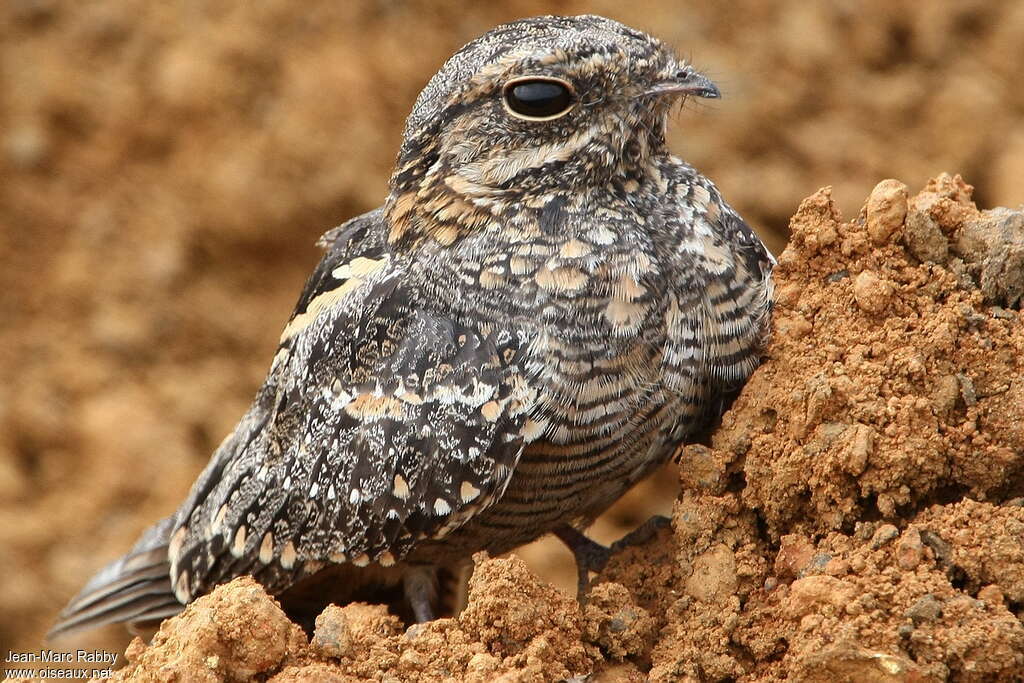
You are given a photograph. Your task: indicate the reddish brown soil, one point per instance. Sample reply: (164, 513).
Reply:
(166, 169)
(857, 516)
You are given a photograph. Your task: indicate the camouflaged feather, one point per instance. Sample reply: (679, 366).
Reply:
(539, 315)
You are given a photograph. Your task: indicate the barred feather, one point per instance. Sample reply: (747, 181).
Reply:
(540, 314)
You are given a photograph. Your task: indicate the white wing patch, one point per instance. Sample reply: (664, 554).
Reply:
(351, 276)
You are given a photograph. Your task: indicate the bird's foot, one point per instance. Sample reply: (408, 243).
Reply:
(591, 556)
(420, 587)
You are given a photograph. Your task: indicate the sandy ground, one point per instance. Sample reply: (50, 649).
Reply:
(167, 167)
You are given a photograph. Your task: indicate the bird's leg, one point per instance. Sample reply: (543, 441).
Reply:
(420, 587)
(591, 556)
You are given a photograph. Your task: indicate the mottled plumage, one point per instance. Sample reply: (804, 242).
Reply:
(544, 309)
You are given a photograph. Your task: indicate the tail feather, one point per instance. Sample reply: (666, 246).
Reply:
(134, 588)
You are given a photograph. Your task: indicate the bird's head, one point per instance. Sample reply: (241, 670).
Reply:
(539, 104)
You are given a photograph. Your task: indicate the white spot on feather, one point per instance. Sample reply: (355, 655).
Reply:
(288, 555)
(238, 547)
(533, 429)
(267, 548)
(181, 590)
(624, 315)
(490, 410)
(174, 547)
(218, 520)
(602, 235)
(401, 487)
(575, 249)
(468, 492)
(360, 266)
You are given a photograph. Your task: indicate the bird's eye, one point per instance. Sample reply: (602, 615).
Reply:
(538, 99)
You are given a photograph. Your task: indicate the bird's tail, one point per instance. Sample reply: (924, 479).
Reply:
(135, 588)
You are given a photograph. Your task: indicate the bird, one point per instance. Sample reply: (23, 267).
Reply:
(545, 308)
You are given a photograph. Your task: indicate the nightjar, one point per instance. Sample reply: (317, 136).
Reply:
(547, 305)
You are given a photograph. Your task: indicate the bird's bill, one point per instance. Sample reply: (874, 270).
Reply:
(687, 82)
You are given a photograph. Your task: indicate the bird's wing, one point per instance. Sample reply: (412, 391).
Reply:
(379, 425)
(737, 301)
(717, 317)
(137, 587)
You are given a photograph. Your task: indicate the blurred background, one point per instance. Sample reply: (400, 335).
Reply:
(165, 169)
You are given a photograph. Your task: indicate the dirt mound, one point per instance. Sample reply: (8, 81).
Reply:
(167, 169)
(893, 382)
(857, 516)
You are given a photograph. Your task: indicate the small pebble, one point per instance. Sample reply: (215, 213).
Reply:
(331, 637)
(885, 533)
(871, 292)
(886, 210)
(910, 550)
(927, 608)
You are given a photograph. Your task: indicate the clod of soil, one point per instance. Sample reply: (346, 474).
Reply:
(894, 380)
(856, 517)
(514, 624)
(233, 634)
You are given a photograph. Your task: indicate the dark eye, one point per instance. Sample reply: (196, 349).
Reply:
(538, 99)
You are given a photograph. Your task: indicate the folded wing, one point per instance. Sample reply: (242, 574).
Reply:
(380, 424)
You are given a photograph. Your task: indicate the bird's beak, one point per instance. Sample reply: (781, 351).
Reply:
(686, 81)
